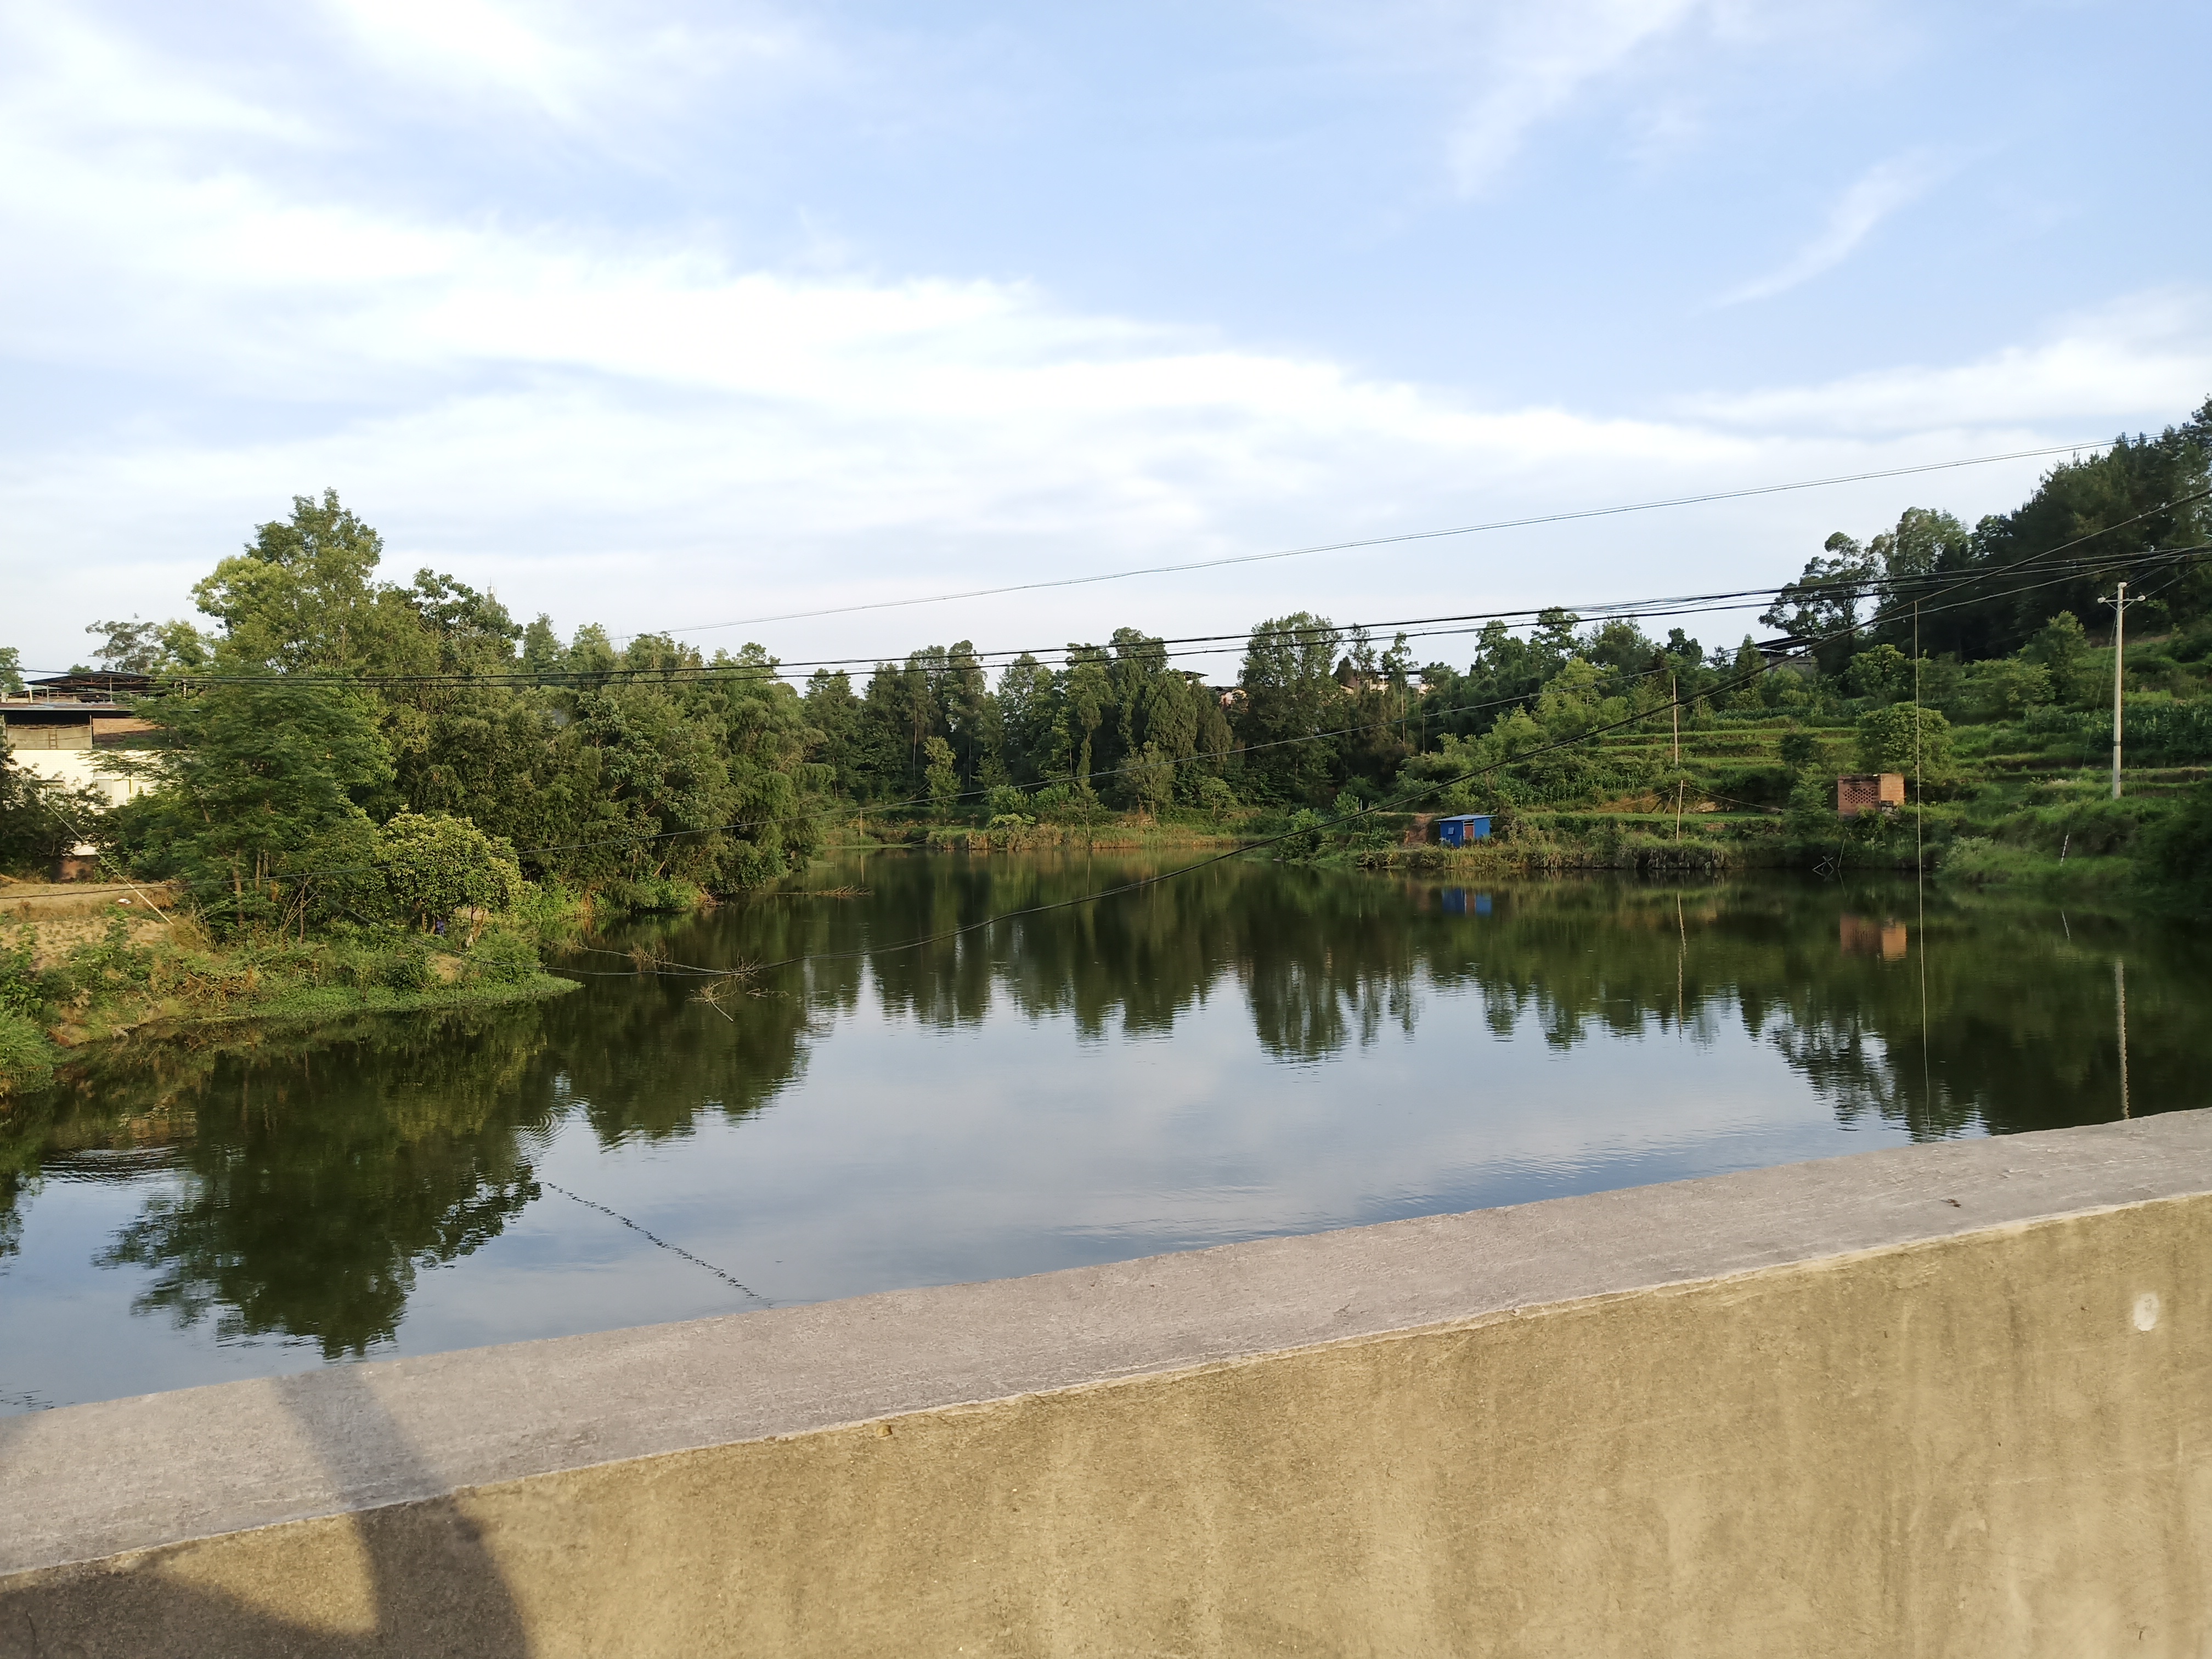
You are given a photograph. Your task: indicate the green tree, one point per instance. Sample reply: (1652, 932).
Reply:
(33, 809)
(1291, 695)
(1902, 736)
(1883, 672)
(2060, 649)
(303, 595)
(2004, 687)
(257, 800)
(1028, 698)
(1748, 676)
(833, 712)
(1087, 694)
(1821, 608)
(433, 866)
(940, 773)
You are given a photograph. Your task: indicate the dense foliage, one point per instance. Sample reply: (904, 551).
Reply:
(325, 702)
(321, 702)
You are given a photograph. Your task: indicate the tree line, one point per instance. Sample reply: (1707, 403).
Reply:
(317, 702)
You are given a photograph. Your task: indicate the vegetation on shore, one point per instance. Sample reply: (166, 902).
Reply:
(346, 770)
(151, 981)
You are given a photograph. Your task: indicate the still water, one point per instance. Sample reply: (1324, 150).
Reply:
(1249, 1050)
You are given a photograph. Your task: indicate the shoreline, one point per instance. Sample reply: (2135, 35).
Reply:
(36, 1057)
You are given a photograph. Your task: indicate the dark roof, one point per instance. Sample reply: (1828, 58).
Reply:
(48, 711)
(89, 681)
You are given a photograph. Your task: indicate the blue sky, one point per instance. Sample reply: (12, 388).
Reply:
(667, 315)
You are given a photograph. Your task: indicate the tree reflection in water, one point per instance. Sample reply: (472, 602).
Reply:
(299, 1182)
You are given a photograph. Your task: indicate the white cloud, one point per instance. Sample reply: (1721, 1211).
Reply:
(648, 430)
(2147, 353)
(92, 90)
(576, 65)
(1541, 60)
(1873, 197)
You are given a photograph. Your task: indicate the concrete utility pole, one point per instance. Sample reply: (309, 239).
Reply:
(1674, 708)
(2119, 604)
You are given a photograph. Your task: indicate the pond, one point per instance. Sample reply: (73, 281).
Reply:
(1250, 1049)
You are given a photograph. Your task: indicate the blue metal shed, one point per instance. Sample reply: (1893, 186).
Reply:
(1466, 827)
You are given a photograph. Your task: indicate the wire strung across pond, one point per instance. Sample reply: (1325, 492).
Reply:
(700, 1261)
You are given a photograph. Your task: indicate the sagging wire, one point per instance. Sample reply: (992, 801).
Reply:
(1437, 786)
(652, 1237)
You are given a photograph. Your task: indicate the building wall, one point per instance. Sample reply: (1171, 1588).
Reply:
(83, 768)
(1982, 1436)
(39, 736)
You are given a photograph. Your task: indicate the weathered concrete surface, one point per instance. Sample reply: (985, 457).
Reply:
(1947, 1399)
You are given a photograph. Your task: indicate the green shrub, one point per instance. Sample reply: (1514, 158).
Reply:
(24, 991)
(1302, 836)
(433, 866)
(407, 967)
(501, 956)
(109, 964)
(2004, 687)
(1886, 741)
(26, 1059)
(2177, 851)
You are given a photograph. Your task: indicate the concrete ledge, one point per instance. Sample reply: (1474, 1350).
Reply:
(1949, 1399)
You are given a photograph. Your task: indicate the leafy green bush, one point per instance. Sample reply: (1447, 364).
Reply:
(2178, 850)
(2004, 687)
(24, 991)
(110, 963)
(433, 866)
(1881, 671)
(501, 956)
(1886, 741)
(25, 1057)
(407, 967)
(1303, 836)
(2079, 828)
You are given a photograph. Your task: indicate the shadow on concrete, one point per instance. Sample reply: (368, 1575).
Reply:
(434, 1589)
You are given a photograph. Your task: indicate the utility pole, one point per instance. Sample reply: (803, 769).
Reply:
(1674, 709)
(2120, 1005)
(2119, 604)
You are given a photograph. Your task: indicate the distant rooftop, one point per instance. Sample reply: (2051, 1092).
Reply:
(89, 681)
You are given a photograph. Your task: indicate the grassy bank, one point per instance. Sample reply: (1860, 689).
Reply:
(153, 979)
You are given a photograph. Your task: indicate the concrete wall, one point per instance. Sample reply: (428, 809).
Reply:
(81, 768)
(1945, 1401)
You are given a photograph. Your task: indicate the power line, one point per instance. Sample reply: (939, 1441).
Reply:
(1444, 626)
(1397, 539)
(1248, 749)
(1298, 552)
(1435, 787)
(1954, 583)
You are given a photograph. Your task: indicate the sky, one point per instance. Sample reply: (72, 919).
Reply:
(673, 316)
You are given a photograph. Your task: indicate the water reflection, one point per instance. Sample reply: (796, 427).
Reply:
(295, 1188)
